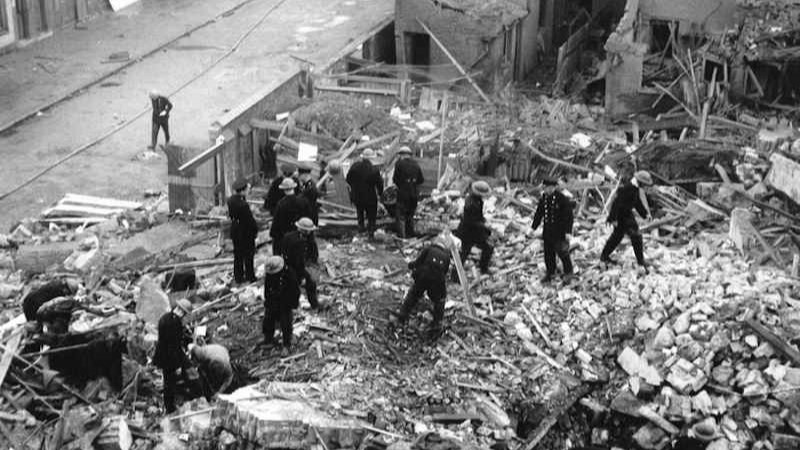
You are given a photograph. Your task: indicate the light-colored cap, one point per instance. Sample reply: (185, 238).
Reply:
(273, 264)
(287, 184)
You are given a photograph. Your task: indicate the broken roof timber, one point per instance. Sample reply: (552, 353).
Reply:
(506, 11)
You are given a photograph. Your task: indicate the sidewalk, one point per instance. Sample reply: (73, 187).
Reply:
(35, 78)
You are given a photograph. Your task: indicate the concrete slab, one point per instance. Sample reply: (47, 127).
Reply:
(785, 176)
(286, 415)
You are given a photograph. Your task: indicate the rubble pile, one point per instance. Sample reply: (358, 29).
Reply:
(342, 115)
(701, 347)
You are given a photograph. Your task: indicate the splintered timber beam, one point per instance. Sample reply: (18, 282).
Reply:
(455, 61)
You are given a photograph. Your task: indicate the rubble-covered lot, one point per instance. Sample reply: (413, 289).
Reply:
(699, 352)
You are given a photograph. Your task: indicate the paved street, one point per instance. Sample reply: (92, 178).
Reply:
(199, 72)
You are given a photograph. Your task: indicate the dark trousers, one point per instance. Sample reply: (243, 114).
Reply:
(436, 287)
(371, 212)
(625, 226)
(404, 218)
(276, 246)
(170, 385)
(311, 285)
(163, 124)
(243, 253)
(486, 252)
(282, 316)
(557, 246)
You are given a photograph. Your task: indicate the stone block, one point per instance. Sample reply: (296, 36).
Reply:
(39, 258)
(785, 176)
(270, 421)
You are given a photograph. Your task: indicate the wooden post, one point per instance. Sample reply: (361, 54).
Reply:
(441, 138)
(455, 62)
(462, 274)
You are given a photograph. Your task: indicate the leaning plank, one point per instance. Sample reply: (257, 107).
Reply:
(462, 275)
(100, 201)
(455, 61)
(8, 354)
(776, 341)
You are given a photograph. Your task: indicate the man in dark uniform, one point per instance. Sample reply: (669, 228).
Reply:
(407, 177)
(288, 211)
(472, 230)
(555, 211)
(243, 233)
(299, 248)
(38, 297)
(629, 196)
(309, 191)
(275, 194)
(170, 352)
(429, 274)
(305, 82)
(161, 108)
(366, 186)
(281, 296)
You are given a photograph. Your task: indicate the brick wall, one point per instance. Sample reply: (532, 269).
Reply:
(461, 34)
(715, 16)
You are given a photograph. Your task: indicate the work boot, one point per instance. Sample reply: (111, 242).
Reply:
(547, 278)
(607, 260)
(434, 331)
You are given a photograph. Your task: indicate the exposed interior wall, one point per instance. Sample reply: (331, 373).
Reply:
(529, 46)
(464, 36)
(8, 27)
(37, 18)
(626, 57)
(706, 16)
(627, 46)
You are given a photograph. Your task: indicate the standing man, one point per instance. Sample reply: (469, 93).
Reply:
(629, 196)
(170, 352)
(429, 274)
(309, 191)
(281, 296)
(305, 83)
(243, 233)
(407, 177)
(472, 230)
(161, 108)
(555, 211)
(288, 211)
(275, 194)
(366, 187)
(299, 248)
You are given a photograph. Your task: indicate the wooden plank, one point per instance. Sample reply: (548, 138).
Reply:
(455, 61)
(776, 341)
(202, 157)
(100, 201)
(357, 90)
(190, 264)
(73, 210)
(74, 220)
(9, 352)
(545, 425)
